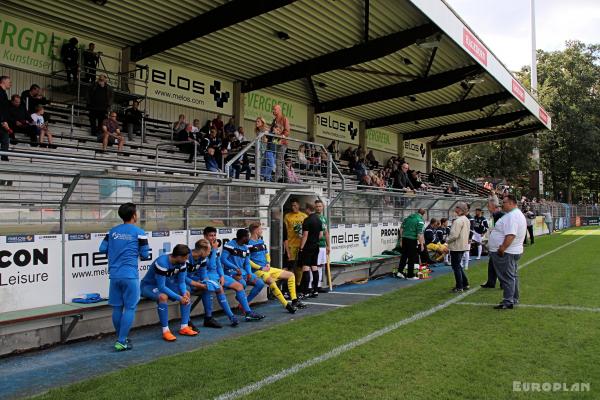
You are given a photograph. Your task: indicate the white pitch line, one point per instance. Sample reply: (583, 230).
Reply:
(325, 304)
(358, 294)
(547, 306)
(253, 387)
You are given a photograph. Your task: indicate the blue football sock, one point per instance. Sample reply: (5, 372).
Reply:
(256, 290)
(185, 309)
(163, 314)
(241, 298)
(126, 322)
(207, 302)
(224, 304)
(117, 314)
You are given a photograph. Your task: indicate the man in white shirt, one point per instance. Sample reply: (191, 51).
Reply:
(506, 247)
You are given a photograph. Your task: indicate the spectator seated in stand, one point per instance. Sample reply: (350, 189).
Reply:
(362, 173)
(186, 135)
(415, 179)
(348, 154)
(210, 161)
(133, 120)
(455, 187)
(212, 140)
(218, 125)
(290, 174)
(372, 161)
(229, 128)
(448, 190)
(435, 179)
(302, 158)
(32, 98)
(37, 121)
(240, 135)
(19, 120)
(111, 133)
(240, 165)
(179, 125)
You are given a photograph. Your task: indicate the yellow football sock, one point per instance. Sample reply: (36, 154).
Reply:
(277, 293)
(292, 287)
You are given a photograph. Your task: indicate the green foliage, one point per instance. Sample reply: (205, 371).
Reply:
(568, 83)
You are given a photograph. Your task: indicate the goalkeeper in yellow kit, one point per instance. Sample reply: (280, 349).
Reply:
(260, 261)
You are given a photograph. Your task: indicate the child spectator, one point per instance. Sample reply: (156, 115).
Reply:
(37, 120)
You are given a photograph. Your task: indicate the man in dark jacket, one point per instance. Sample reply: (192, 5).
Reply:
(5, 130)
(99, 101)
(133, 119)
(32, 98)
(69, 54)
(90, 63)
(19, 119)
(401, 179)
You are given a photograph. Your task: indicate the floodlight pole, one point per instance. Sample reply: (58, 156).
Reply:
(533, 53)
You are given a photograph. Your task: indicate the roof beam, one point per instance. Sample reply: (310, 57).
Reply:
(218, 18)
(457, 107)
(480, 123)
(488, 137)
(363, 52)
(419, 85)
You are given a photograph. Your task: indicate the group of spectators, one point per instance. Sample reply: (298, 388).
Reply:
(22, 114)
(72, 57)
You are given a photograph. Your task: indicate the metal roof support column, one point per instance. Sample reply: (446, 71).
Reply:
(362, 135)
(238, 104)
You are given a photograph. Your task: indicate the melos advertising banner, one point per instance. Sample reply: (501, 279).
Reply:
(415, 149)
(351, 238)
(86, 270)
(30, 271)
(384, 237)
(337, 127)
(260, 104)
(383, 140)
(184, 86)
(31, 46)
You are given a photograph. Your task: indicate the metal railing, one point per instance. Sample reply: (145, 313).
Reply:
(286, 165)
(174, 143)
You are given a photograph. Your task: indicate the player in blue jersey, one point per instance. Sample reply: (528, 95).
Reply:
(260, 261)
(124, 244)
(201, 259)
(236, 263)
(166, 280)
(215, 272)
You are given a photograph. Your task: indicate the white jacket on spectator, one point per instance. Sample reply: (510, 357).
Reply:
(458, 240)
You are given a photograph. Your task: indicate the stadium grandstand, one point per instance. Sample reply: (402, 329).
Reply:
(222, 114)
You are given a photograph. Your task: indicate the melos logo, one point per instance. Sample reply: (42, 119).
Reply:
(364, 238)
(329, 121)
(353, 131)
(220, 97)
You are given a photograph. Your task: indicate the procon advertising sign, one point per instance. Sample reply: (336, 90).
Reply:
(31, 46)
(260, 104)
(383, 140)
(385, 237)
(174, 84)
(30, 271)
(337, 127)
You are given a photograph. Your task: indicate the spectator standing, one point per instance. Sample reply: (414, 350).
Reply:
(458, 243)
(496, 212)
(111, 133)
(334, 150)
(133, 120)
(267, 165)
(32, 98)
(100, 98)
(412, 242)
(281, 128)
(480, 227)
(530, 216)
(69, 54)
(91, 59)
(506, 247)
(5, 131)
(548, 220)
(401, 180)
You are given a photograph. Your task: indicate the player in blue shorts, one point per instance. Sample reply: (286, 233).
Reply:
(236, 263)
(166, 280)
(201, 257)
(215, 272)
(124, 244)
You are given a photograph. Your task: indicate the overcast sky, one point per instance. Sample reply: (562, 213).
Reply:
(505, 26)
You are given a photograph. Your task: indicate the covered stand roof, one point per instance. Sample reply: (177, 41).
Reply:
(412, 67)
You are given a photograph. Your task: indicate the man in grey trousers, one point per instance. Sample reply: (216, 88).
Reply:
(506, 246)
